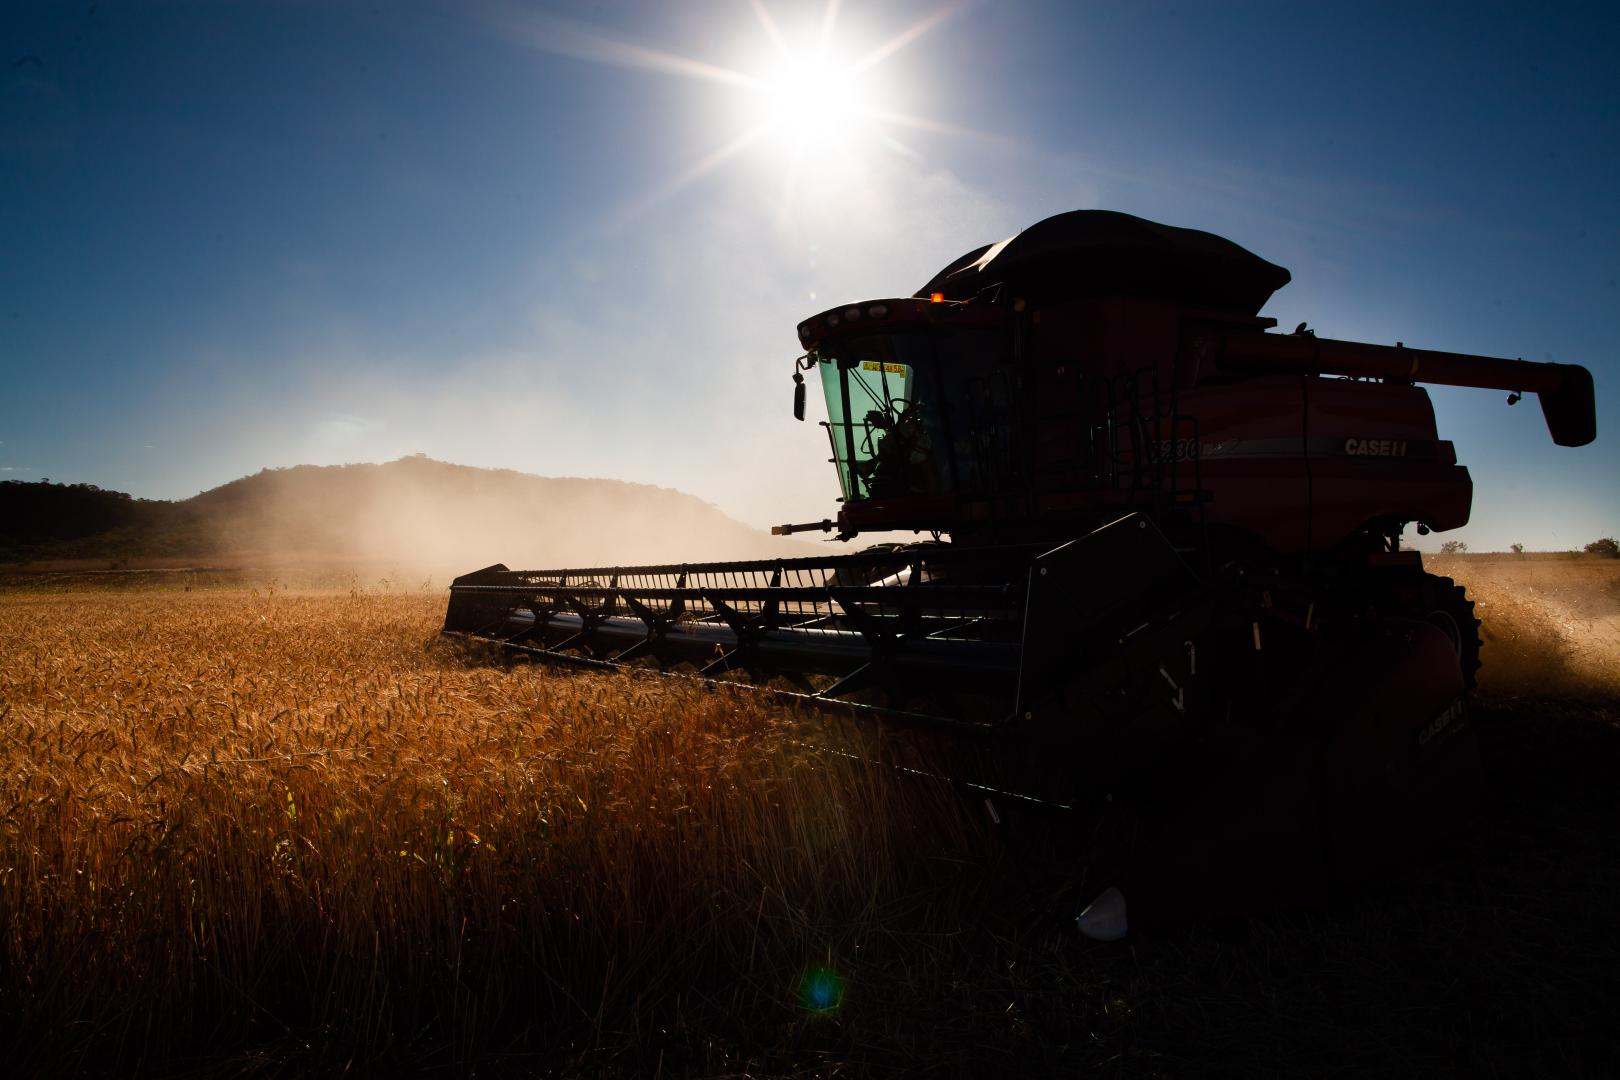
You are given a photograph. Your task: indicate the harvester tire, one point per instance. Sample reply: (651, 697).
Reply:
(1449, 608)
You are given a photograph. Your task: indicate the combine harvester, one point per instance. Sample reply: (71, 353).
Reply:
(1173, 579)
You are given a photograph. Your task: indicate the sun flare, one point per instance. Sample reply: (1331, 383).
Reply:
(813, 107)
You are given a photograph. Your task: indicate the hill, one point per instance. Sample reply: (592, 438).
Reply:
(414, 512)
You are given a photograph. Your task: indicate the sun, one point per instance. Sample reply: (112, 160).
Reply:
(813, 100)
(810, 105)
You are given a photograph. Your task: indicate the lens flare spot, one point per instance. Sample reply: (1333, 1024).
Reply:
(821, 990)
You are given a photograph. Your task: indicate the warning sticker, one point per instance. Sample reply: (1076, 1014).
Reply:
(892, 369)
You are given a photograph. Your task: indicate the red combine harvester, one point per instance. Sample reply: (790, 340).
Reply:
(1173, 580)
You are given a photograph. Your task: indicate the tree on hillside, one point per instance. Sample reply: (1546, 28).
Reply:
(1518, 549)
(40, 512)
(1608, 548)
(1453, 547)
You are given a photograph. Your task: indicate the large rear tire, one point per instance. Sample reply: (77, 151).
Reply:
(1447, 607)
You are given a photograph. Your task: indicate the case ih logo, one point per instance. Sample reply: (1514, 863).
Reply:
(1375, 447)
(1439, 725)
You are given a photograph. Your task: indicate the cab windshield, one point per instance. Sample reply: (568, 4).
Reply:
(917, 412)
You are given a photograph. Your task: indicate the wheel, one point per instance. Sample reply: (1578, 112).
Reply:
(1447, 606)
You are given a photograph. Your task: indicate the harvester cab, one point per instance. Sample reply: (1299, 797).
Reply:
(1098, 364)
(1173, 579)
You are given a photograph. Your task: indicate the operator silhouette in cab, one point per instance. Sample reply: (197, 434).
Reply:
(902, 461)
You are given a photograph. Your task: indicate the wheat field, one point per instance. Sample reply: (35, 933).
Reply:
(236, 815)
(254, 831)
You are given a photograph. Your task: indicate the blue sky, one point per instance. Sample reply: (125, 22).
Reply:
(239, 235)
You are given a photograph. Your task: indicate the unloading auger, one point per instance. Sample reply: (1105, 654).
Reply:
(1173, 578)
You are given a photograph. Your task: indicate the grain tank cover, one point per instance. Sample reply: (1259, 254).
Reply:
(1101, 252)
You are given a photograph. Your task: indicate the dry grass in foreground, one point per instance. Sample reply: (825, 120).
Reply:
(234, 817)
(245, 832)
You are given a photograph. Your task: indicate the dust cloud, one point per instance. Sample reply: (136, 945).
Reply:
(1550, 624)
(428, 519)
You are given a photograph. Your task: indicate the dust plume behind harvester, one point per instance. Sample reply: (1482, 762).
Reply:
(1165, 570)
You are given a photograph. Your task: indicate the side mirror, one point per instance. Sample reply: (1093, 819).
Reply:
(798, 396)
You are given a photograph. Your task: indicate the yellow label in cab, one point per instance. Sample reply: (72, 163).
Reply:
(892, 369)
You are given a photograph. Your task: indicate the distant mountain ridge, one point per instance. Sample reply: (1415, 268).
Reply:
(414, 511)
